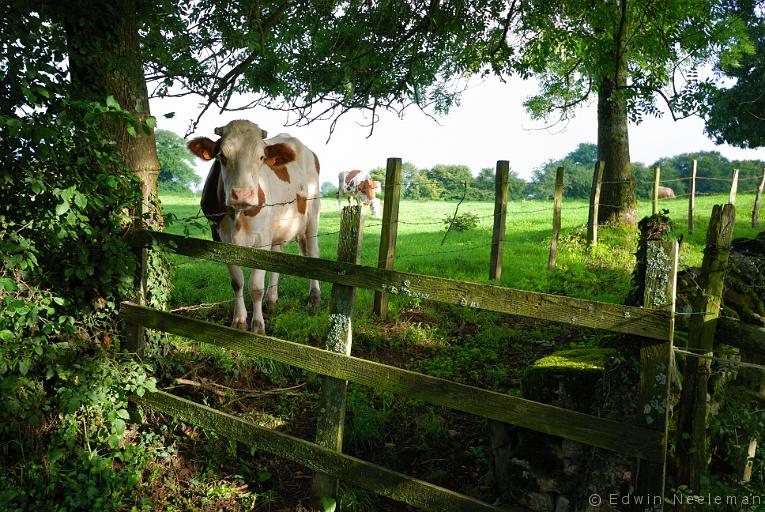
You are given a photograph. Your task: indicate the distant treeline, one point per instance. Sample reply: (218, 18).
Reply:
(448, 181)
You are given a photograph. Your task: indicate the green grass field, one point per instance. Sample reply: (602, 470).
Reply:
(600, 274)
(480, 348)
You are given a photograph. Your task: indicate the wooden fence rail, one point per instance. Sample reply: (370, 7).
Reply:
(364, 474)
(556, 308)
(612, 435)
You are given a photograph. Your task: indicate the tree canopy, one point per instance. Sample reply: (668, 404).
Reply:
(316, 59)
(737, 114)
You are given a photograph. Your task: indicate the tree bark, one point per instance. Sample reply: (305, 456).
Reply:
(105, 60)
(617, 197)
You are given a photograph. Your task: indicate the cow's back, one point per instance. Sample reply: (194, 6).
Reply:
(292, 190)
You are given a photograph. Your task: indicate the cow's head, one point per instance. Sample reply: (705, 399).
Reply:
(376, 206)
(242, 155)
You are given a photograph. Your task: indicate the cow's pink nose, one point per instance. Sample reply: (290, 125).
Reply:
(242, 197)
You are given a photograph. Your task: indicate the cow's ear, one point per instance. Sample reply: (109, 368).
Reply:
(279, 154)
(203, 147)
(263, 134)
(376, 185)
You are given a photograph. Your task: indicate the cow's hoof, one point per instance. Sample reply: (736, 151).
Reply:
(269, 304)
(258, 327)
(314, 299)
(239, 324)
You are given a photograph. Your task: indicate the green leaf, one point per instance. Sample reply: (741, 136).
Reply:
(131, 130)
(151, 121)
(123, 413)
(111, 102)
(170, 115)
(6, 335)
(80, 200)
(62, 208)
(118, 426)
(24, 365)
(328, 504)
(114, 441)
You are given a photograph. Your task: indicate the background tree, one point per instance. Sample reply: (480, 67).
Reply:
(452, 178)
(737, 114)
(177, 173)
(483, 185)
(328, 189)
(577, 176)
(630, 54)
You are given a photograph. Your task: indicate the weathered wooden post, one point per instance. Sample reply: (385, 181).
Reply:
(692, 198)
(389, 228)
(592, 221)
(692, 409)
(500, 212)
(134, 334)
(329, 428)
(656, 359)
(557, 203)
(656, 180)
(733, 187)
(757, 199)
(751, 451)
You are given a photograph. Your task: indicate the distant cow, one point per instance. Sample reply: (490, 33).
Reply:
(260, 193)
(666, 193)
(360, 186)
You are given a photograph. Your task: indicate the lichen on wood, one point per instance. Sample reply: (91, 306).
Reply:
(654, 227)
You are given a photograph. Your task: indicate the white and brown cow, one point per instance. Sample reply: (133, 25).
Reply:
(665, 193)
(260, 193)
(360, 186)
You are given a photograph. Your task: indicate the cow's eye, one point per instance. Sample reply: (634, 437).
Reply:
(222, 158)
(262, 157)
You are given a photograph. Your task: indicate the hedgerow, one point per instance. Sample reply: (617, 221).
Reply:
(65, 437)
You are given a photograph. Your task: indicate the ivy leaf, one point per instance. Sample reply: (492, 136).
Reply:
(111, 102)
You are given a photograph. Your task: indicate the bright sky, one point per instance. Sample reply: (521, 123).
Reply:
(490, 124)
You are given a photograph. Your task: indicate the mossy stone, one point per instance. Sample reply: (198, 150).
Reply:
(567, 378)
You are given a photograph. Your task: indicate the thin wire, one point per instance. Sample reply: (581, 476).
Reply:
(725, 362)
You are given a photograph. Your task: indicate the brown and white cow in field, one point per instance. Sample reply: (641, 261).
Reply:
(666, 193)
(260, 193)
(360, 186)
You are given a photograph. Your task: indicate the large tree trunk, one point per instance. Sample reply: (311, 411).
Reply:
(105, 60)
(617, 197)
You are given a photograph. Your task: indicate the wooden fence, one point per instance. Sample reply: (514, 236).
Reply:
(652, 326)
(597, 181)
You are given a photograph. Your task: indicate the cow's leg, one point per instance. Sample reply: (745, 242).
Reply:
(237, 284)
(272, 294)
(309, 246)
(257, 279)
